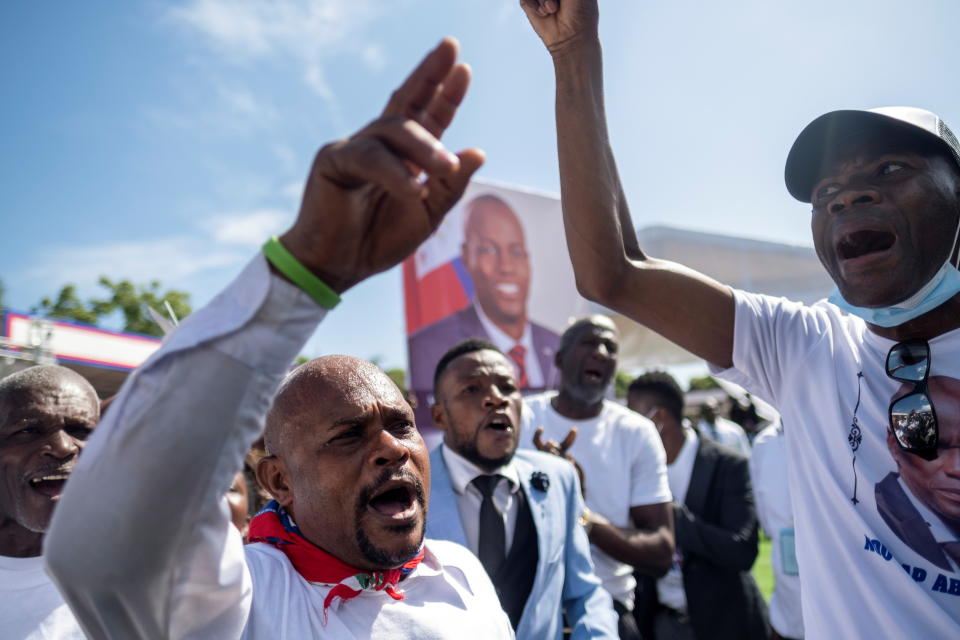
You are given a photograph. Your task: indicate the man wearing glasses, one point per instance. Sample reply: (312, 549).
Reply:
(885, 192)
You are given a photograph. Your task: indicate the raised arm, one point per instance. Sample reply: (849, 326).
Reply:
(682, 305)
(141, 544)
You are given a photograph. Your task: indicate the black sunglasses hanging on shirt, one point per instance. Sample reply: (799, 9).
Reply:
(912, 416)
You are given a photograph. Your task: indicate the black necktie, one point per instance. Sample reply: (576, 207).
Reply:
(493, 536)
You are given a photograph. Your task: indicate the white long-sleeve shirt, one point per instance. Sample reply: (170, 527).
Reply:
(142, 545)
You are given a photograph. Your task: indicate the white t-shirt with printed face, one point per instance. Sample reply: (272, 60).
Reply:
(623, 464)
(31, 607)
(825, 372)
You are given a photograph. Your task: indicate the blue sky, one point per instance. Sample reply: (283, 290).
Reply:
(165, 140)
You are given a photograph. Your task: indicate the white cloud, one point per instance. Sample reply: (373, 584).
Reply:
(293, 191)
(248, 229)
(509, 10)
(302, 30)
(223, 241)
(224, 110)
(243, 103)
(166, 259)
(373, 56)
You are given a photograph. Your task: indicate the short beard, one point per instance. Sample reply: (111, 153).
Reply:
(35, 523)
(586, 396)
(384, 559)
(469, 451)
(377, 556)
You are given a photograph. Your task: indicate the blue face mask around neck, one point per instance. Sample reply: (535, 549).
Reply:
(944, 285)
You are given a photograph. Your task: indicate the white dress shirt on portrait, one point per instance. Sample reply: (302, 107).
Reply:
(670, 587)
(462, 472)
(504, 342)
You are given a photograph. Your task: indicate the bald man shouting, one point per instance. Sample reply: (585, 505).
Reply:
(46, 414)
(142, 545)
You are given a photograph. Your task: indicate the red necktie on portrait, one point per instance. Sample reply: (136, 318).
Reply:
(519, 354)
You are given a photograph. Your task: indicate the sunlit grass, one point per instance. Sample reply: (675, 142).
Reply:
(763, 569)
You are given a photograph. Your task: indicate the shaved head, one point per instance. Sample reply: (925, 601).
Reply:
(587, 359)
(46, 415)
(575, 327)
(307, 388)
(40, 378)
(346, 461)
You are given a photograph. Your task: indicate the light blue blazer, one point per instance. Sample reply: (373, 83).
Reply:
(565, 579)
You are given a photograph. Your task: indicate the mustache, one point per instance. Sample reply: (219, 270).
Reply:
(389, 475)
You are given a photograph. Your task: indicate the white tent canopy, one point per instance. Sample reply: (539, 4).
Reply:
(772, 268)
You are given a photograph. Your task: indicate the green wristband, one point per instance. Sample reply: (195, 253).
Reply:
(288, 265)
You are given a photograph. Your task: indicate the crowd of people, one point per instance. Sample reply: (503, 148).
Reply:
(562, 514)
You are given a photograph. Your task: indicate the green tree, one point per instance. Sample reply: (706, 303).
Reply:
(620, 383)
(67, 305)
(399, 377)
(130, 300)
(702, 383)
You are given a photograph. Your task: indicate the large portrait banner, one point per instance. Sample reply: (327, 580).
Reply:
(497, 268)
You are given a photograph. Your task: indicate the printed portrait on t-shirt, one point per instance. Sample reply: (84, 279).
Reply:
(920, 502)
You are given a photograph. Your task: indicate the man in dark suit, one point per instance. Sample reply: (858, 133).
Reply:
(495, 256)
(710, 592)
(919, 502)
(517, 510)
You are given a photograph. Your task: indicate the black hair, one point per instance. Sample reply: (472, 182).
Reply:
(469, 345)
(663, 386)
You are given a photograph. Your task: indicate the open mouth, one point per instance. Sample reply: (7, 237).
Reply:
(395, 499)
(50, 485)
(509, 289)
(499, 422)
(865, 242)
(594, 376)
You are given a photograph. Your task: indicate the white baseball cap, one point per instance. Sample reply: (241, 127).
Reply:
(811, 148)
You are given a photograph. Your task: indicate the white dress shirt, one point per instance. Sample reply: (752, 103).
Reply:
(771, 490)
(728, 433)
(462, 472)
(670, 587)
(504, 342)
(142, 545)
